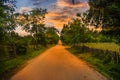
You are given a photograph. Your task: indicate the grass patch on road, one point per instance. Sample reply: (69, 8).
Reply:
(11, 66)
(110, 69)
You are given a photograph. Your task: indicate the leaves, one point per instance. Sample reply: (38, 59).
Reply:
(104, 12)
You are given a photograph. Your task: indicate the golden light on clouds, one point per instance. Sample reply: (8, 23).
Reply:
(52, 18)
(62, 12)
(51, 14)
(80, 4)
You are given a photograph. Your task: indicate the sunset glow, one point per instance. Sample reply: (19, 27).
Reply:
(59, 11)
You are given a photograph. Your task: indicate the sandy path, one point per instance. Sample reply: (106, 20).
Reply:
(57, 64)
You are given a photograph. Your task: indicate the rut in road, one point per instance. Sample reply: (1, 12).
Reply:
(57, 64)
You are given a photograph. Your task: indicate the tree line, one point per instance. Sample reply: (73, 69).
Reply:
(102, 13)
(105, 14)
(11, 43)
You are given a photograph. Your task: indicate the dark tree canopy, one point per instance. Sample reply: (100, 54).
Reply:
(104, 12)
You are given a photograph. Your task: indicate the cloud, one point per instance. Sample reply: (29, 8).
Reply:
(38, 2)
(25, 9)
(77, 3)
(56, 19)
(63, 11)
(59, 11)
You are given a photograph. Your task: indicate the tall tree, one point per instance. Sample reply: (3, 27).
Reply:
(7, 23)
(33, 23)
(7, 7)
(104, 12)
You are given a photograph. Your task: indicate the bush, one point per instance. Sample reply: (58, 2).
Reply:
(22, 47)
(3, 52)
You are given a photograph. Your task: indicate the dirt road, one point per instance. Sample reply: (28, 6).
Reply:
(57, 64)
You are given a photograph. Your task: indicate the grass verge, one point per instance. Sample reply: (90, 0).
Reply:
(10, 67)
(110, 69)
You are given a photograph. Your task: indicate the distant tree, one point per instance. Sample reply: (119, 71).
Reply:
(65, 34)
(52, 35)
(74, 32)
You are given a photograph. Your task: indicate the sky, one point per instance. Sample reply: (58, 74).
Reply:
(59, 11)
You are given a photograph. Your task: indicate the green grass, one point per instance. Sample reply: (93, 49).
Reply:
(110, 69)
(104, 46)
(8, 67)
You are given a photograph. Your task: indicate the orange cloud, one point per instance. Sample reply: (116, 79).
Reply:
(51, 14)
(80, 4)
(56, 20)
(61, 11)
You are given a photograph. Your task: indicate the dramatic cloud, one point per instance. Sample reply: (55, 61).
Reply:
(63, 11)
(78, 3)
(59, 11)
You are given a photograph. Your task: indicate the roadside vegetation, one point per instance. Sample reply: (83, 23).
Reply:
(11, 66)
(102, 59)
(100, 48)
(16, 49)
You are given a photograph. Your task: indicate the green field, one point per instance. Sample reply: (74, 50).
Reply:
(104, 46)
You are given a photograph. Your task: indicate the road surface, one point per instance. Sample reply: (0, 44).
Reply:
(57, 64)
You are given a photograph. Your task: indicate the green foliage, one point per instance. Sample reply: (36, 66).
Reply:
(77, 32)
(34, 24)
(113, 34)
(104, 12)
(109, 69)
(7, 66)
(15, 49)
(7, 20)
(74, 32)
(40, 38)
(102, 62)
(52, 35)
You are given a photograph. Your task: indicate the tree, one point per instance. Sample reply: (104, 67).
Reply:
(104, 12)
(33, 23)
(66, 34)
(52, 35)
(74, 32)
(7, 23)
